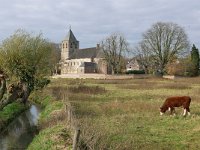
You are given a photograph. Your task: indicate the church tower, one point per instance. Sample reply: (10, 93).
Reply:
(69, 45)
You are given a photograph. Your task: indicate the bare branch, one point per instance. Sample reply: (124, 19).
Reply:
(165, 42)
(115, 47)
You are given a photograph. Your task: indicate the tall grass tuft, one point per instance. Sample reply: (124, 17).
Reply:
(87, 89)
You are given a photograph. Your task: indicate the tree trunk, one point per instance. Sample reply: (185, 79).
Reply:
(26, 92)
(2, 87)
(146, 70)
(14, 96)
(113, 72)
(20, 91)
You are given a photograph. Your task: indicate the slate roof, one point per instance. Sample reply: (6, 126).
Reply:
(92, 52)
(70, 36)
(87, 64)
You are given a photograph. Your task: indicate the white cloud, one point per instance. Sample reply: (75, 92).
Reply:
(92, 20)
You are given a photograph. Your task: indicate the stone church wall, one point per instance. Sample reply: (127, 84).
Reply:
(72, 66)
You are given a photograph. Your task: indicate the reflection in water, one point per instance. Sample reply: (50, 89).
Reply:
(21, 131)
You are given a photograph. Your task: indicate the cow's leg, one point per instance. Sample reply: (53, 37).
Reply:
(173, 111)
(188, 111)
(169, 108)
(184, 112)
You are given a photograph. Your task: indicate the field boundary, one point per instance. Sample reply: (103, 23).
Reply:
(102, 76)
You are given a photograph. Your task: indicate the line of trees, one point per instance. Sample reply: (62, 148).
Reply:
(164, 44)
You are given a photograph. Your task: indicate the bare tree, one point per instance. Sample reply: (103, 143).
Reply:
(144, 57)
(55, 58)
(163, 42)
(114, 48)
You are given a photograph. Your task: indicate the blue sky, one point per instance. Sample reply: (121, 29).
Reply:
(93, 20)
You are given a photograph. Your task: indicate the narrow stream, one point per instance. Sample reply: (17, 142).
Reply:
(21, 131)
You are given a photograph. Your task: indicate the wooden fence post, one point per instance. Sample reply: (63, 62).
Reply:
(76, 138)
(69, 113)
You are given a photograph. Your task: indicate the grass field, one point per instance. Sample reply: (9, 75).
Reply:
(124, 114)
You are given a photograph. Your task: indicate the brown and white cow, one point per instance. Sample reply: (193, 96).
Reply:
(177, 101)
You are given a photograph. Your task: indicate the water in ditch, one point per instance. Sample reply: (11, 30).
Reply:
(21, 131)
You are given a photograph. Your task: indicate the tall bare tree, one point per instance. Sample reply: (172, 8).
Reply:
(164, 42)
(55, 58)
(145, 57)
(114, 48)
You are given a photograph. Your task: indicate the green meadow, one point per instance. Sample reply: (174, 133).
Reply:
(122, 114)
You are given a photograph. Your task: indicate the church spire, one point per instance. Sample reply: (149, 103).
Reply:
(69, 45)
(70, 36)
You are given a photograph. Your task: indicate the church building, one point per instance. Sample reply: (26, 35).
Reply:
(80, 61)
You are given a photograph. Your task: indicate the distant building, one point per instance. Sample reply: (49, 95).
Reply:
(75, 60)
(133, 65)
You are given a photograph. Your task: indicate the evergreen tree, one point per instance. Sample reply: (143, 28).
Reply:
(195, 61)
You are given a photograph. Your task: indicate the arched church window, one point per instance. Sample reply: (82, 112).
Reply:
(71, 45)
(63, 45)
(66, 45)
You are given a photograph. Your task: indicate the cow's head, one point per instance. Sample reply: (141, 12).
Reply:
(162, 110)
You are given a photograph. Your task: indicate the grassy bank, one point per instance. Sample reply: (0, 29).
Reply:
(54, 133)
(10, 112)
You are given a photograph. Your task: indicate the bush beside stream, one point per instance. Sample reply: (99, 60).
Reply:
(10, 112)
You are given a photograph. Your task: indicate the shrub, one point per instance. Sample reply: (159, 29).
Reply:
(135, 72)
